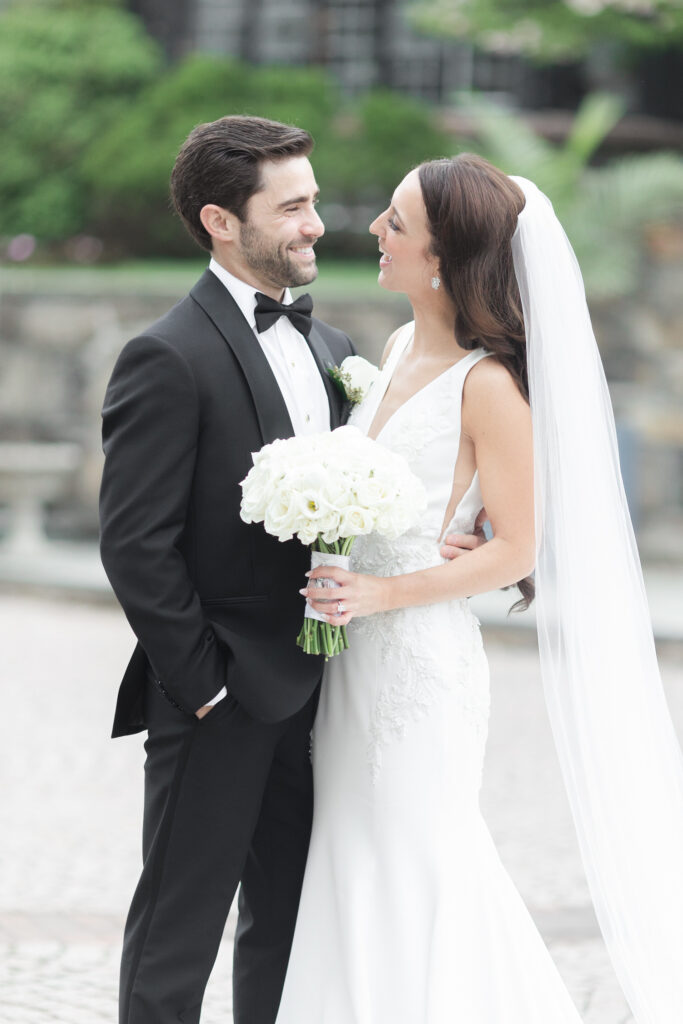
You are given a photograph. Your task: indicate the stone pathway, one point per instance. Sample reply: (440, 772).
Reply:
(71, 809)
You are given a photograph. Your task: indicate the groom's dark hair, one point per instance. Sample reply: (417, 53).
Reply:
(220, 162)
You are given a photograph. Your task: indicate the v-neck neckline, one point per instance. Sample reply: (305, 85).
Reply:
(415, 394)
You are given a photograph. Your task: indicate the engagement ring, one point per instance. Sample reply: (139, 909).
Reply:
(340, 608)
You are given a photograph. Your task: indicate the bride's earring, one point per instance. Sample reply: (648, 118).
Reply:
(436, 281)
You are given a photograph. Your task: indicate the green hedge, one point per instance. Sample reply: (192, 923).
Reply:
(67, 72)
(91, 121)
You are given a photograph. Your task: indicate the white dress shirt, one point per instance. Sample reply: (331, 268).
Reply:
(289, 356)
(291, 361)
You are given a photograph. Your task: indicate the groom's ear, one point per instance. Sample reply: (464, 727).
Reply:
(221, 224)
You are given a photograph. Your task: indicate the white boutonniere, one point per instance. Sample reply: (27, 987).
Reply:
(354, 378)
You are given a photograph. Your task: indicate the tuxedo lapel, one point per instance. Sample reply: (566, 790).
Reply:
(325, 362)
(225, 314)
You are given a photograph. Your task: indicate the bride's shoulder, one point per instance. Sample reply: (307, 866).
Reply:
(486, 374)
(391, 341)
(490, 390)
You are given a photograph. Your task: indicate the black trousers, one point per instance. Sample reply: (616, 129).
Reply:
(228, 800)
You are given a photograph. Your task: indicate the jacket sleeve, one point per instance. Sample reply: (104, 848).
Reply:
(150, 431)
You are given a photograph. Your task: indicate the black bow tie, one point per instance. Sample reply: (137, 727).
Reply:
(299, 312)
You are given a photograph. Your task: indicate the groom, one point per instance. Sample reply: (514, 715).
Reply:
(225, 695)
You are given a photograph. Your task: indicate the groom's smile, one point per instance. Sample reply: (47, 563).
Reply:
(270, 245)
(276, 264)
(304, 252)
(274, 246)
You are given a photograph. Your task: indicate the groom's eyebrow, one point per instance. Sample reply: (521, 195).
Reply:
(298, 199)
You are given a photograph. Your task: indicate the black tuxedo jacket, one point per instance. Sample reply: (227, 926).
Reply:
(213, 601)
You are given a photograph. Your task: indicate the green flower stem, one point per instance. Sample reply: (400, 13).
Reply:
(321, 637)
(346, 545)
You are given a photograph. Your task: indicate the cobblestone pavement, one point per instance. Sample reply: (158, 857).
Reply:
(71, 809)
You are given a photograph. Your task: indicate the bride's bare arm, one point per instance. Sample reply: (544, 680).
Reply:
(498, 420)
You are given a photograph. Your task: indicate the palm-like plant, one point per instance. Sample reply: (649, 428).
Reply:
(604, 209)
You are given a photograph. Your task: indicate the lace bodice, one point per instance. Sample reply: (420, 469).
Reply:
(426, 431)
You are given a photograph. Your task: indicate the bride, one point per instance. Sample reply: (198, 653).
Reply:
(495, 396)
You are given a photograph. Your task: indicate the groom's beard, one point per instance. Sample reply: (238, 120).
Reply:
(273, 262)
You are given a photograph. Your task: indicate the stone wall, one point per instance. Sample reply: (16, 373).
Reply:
(641, 341)
(60, 335)
(58, 347)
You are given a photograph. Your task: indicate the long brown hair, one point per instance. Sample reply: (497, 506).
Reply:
(472, 209)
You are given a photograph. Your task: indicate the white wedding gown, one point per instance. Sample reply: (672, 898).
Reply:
(407, 914)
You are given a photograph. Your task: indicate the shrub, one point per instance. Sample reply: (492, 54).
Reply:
(129, 166)
(66, 70)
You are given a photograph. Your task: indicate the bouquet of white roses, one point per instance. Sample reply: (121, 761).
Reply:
(327, 489)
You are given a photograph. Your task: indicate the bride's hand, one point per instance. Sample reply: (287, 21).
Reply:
(357, 594)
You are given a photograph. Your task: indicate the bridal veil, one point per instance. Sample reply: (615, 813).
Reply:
(619, 753)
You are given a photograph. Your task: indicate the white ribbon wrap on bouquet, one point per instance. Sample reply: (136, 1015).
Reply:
(325, 558)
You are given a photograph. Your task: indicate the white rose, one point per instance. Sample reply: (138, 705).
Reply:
(281, 518)
(362, 373)
(347, 438)
(356, 521)
(328, 528)
(257, 489)
(371, 492)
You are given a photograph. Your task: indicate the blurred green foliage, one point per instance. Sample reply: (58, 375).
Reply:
(554, 30)
(603, 209)
(134, 155)
(388, 134)
(359, 152)
(67, 70)
(91, 120)
(128, 166)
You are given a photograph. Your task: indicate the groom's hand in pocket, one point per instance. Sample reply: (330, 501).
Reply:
(204, 710)
(457, 544)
